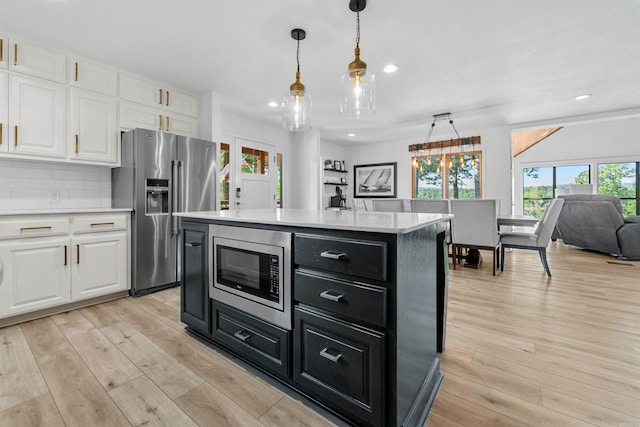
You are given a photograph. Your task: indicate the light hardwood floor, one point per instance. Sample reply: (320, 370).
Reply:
(521, 350)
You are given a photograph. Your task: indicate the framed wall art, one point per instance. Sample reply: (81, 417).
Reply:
(375, 180)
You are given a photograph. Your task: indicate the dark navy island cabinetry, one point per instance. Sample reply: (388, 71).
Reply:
(367, 303)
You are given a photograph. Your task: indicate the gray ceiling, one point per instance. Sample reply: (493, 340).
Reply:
(489, 63)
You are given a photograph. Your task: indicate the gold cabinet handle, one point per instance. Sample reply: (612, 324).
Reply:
(161, 121)
(65, 254)
(95, 224)
(1, 49)
(0, 130)
(160, 96)
(16, 132)
(167, 104)
(76, 71)
(15, 54)
(44, 227)
(77, 254)
(168, 125)
(77, 137)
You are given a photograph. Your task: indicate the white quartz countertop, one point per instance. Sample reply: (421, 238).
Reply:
(62, 211)
(379, 222)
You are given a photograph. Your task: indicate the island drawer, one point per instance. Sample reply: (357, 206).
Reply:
(363, 258)
(340, 364)
(263, 343)
(355, 300)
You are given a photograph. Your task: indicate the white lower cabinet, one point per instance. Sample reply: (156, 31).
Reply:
(36, 274)
(57, 259)
(99, 264)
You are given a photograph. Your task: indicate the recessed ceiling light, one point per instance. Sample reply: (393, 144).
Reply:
(391, 68)
(273, 104)
(581, 97)
(351, 134)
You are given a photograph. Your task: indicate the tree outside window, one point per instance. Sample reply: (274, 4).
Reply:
(463, 180)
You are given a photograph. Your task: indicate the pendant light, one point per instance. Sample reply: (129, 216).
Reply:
(296, 105)
(358, 88)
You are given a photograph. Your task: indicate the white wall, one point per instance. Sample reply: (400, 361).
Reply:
(495, 145)
(585, 143)
(305, 173)
(33, 185)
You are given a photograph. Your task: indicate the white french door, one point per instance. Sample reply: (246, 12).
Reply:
(255, 164)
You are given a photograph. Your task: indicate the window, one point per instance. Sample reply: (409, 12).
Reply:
(278, 180)
(255, 161)
(621, 180)
(463, 180)
(224, 166)
(540, 183)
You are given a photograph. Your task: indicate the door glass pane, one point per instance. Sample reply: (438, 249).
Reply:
(279, 180)
(538, 185)
(567, 175)
(464, 178)
(255, 161)
(428, 179)
(224, 176)
(619, 179)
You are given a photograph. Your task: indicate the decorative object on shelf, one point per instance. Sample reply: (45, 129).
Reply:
(328, 164)
(375, 180)
(343, 181)
(296, 106)
(357, 88)
(337, 165)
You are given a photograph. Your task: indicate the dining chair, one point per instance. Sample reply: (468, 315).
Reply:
(539, 239)
(358, 205)
(394, 205)
(440, 206)
(475, 225)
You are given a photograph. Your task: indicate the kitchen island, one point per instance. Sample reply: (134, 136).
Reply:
(366, 306)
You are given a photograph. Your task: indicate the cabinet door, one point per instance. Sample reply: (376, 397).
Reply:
(37, 60)
(93, 76)
(99, 264)
(181, 125)
(36, 274)
(37, 112)
(4, 112)
(4, 46)
(140, 90)
(140, 116)
(177, 101)
(195, 304)
(94, 132)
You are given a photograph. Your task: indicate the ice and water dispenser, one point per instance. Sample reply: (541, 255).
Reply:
(157, 201)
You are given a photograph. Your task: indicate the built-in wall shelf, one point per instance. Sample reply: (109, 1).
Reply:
(335, 170)
(335, 183)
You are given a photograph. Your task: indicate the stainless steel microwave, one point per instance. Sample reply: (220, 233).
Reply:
(250, 269)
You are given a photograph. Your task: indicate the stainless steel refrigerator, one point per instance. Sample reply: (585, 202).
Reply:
(161, 173)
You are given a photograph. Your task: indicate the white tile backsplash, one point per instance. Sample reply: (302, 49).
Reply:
(31, 185)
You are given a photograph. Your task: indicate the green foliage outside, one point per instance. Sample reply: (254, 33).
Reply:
(432, 176)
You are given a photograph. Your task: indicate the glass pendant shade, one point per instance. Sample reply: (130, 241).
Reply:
(296, 108)
(358, 90)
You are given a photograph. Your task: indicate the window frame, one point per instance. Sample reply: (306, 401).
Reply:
(444, 170)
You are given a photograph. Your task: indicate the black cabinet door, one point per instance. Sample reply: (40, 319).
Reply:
(340, 364)
(195, 304)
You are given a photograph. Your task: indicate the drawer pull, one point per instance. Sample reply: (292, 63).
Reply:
(44, 227)
(65, 254)
(331, 296)
(95, 224)
(325, 352)
(77, 254)
(242, 335)
(193, 244)
(333, 255)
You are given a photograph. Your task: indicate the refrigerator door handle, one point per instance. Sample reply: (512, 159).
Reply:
(174, 197)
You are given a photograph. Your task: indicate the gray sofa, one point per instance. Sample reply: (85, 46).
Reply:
(595, 222)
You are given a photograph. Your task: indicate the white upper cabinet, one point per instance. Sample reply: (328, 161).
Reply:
(4, 45)
(134, 115)
(93, 129)
(181, 102)
(94, 76)
(181, 125)
(140, 90)
(36, 60)
(4, 112)
(37, 114)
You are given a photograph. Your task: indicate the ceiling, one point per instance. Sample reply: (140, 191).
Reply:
(490, 63)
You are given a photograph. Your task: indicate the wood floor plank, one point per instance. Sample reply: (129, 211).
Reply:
(144, 404)
(249, 392)
(209, 407)
(38, 411)
(165, 371)
(437, 420)
(290, 412)
(101, 315)
(166, 314)
(20, 377)
(78, 395)
(109, 365)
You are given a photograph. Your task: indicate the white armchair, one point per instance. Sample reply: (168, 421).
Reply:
(475, 225)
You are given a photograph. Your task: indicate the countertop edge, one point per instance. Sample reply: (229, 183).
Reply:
(63, 211)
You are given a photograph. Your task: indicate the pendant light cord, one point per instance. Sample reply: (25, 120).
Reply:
(298, 53)
(357, 29)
